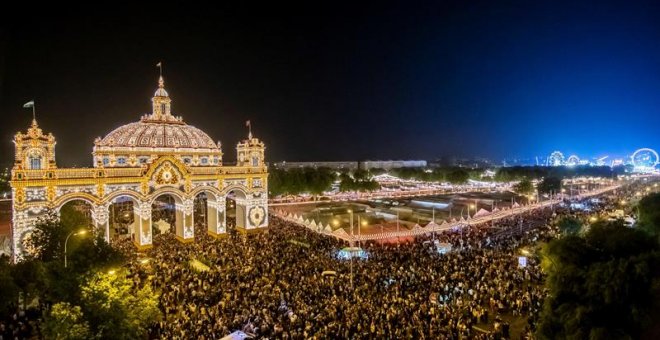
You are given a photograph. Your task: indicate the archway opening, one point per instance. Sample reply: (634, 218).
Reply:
(164, 215)
(208, 213)
(76, 213)
(201, 210)
(122, 219)
(236, 209)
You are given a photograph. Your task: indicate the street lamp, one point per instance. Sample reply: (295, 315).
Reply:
(350, 211)
(80, 232)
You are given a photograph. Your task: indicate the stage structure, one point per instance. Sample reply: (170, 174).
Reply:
(136, 164)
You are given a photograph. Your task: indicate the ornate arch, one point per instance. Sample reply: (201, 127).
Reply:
(163, 159)
(245, 190)
(206, 189)
(178, 195)
(123, 193)
(81, 196)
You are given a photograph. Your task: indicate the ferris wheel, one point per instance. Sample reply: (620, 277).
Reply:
(644, 159)
(556, 159)
(573, 160)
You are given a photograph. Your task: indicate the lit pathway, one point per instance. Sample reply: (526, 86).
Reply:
(431, 227)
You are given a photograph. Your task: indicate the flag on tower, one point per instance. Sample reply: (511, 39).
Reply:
(159, 64)
(247, 123)
(28, 104)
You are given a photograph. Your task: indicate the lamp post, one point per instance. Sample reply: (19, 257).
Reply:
(80, 232)
(350, 211)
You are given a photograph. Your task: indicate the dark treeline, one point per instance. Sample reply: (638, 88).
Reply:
(359, 180)
(300, 180)
(454, 175)
(516, 173)
(315, 181)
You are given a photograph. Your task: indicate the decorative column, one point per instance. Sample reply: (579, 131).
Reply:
(101, 218)
(257, 213)
(142, 236)
(216, 217)
(185, 228)
(241, 214)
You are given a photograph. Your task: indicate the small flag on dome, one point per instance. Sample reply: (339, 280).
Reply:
(247, 123)
(159, 64)
(28, 104)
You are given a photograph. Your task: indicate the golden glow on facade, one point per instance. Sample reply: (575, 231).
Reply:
(141, 161)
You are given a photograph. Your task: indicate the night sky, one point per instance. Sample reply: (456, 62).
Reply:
(347, 82)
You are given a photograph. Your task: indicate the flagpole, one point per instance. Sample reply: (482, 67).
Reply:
(34, 114)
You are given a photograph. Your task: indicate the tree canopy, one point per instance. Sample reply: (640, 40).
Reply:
(524, 187)
(649, 214)
(454, 175)
(549, 184)
(516, 173)
(116, 309)
(65, 322)
(300, 180)
(603, 284)
(569, 225)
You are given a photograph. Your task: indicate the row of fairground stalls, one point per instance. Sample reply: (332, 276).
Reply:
(355, 252)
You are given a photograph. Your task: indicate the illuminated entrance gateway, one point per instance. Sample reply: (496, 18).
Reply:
(140, 168)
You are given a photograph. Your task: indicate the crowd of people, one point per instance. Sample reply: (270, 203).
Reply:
(289, 283)
(272, 285)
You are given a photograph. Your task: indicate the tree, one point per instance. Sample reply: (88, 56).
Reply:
(346, 182)
(65, 322)
(524, 187)
(296, 181)
(549, 184)
(30, 276)
(117, 310)
(45, 242)
(603, 284)
(458, 176)
(8, 288)
(569, 225)
(649, 214)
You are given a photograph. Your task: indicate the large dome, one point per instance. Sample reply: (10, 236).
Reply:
(158, 135)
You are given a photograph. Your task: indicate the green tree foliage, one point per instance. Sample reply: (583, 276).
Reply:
(569, 225)
(65, 322)
(649, 214)
(8, 288)
(455, 175)
(361, 180)
(297, 181)
(516, 173)
(84, 253)
(604, 284)
(115, 309)
(524, 187)
(30, 276)
(549, 184)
